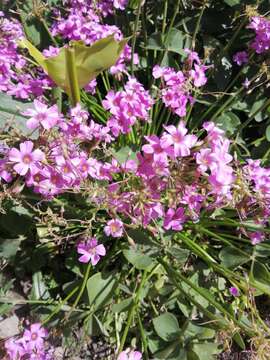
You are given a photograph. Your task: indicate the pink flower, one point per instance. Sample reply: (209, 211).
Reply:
(4, 171)
(256, 237)
(198, 75)
(130, 355)
(177, 137)
(234, 291)
(26, 159)
(91, 251)
(241, 57)
(15, 348)
(48, 117)
(156, 147)
(114, 228)
(174, 219)
(35, 336)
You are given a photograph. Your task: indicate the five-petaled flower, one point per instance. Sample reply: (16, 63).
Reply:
(114, 228)
(90, 251)
(26, 159)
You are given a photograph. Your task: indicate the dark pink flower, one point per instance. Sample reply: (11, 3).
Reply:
(174, 219)
(234, 291)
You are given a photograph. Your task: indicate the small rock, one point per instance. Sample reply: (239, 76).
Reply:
(9, 327)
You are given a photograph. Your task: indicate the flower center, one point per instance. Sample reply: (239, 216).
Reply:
(27, 159)
(34, 336)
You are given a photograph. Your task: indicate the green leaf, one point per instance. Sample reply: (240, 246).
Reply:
(124, 154)
(10, 247)
(267, 133)
(167, 327)
(231, 257)
(181, 255)
(261, 277)
(175, 41)
(11, 115)
(138, 259)
(205, 351)
(229, 122)
(32, 26)
(89, 61)
(232, 2)
(199, 332)
(95, 327)
(122, 306)
(174, 351)
(239, 340)
(39, 288)
(100, 288)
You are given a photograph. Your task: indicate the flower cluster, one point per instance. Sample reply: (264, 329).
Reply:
(59, 163)
(14, 78)
(178, 85)
(261, 42)
(261, 26)
(126, 106)
(31, 345)
(172, 178)
(84, 22)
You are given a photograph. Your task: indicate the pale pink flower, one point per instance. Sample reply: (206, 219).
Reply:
(43, 115)
(90, 251)
(35, 336)
(26, 159)
(130, 355)
(114, 228)
(198, 75)
(178, 137)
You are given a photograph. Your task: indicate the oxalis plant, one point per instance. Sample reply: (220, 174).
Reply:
(135, 187)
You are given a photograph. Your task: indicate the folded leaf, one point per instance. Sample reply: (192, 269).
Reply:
(89, 61)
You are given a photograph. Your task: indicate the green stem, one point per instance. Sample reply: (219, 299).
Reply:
(193, 43)
(58, 308)
(72, 76)
(44, 23)
(85, 278)
(210, 299)
(135, 29)
(144, 340)
(131, 312)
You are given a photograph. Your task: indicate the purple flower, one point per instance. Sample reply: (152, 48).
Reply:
(26, 159)
(240, 58)
(90, 251)
(256, 237)
(234, 291)
(114, 228)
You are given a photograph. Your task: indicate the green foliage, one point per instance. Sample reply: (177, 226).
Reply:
(87, 61)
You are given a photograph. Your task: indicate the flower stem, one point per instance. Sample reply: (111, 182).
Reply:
(74, 90)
